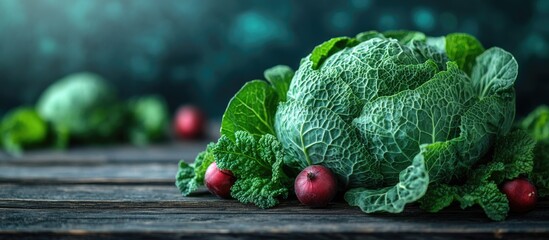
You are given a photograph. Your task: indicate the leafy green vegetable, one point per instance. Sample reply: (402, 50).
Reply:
(324, 50)
(83, 104)
(280, 77)
(190, 176)
(405, 37)
(537, 125)
(149, 119)
(252, 109)
(257, 166)
(394, 115)
(416, 122)
(512, 157)
(540, 176)
(463, 49)
(21, 128)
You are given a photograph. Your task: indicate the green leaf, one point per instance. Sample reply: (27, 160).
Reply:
(60, 135)
(439, 197)
(516, 152)
(313, 136)
(493, 202)
(398, 125)
(257, 166)
(463, 49)
(280, 77)
(495, 71)
(511, 158)
(252, 109)
(540, 175)
(330, 92)
(21, 128)
(365, 36)
(185, 179)
(537, 123)
(413, 182)
(345, 84)
(190, 176)
(148, 119)
(405, 37)
(450, 138)
(430, 49)
(326, 49)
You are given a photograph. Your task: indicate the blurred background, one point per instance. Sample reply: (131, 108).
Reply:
(202, 51)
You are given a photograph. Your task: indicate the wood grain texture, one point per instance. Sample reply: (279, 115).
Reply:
(171, 152)
(94, 172)
(227, 222)
(128, 193)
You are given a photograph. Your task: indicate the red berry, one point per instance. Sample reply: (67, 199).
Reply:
(521, 193)
(189, 122)
(315, 186)
(219, 182)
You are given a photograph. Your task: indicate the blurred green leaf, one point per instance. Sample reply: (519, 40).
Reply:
(22, 127)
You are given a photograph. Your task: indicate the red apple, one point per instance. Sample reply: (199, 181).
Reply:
(219, 182)
(521, 193)
(189, 122)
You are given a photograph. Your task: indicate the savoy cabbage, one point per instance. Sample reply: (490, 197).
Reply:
(389, 117)
(391, 114)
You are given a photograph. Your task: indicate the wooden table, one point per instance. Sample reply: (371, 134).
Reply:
(125, 192)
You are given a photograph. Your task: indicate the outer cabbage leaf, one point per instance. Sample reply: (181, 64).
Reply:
(252, 109)
(404, 36)
(280, 77)
(319, 136)
(373, 68)
(320, 91)
(326, 49)
(413, 182)
(257, 166)
(495, 71)
(394, 127)
(377, 67)
(463, 49)
(365, 36)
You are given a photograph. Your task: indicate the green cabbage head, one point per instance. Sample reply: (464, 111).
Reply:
(83, 104)
(391, 113)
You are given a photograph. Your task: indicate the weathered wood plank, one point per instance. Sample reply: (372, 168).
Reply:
(90, 173)
(144, 212)
(166, 152)
(146, 196)
(96, 192)
(229, 223)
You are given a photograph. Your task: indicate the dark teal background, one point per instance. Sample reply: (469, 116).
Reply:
(202, 51)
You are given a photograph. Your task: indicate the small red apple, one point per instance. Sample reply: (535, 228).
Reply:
(189, 122)
(521, 193)
(219, 182)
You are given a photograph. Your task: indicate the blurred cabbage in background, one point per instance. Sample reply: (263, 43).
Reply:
(202, 51)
